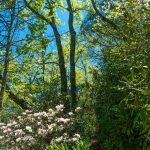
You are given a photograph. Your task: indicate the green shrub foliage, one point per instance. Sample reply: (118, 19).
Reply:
(123, 88)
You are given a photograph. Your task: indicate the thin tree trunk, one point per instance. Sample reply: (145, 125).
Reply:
(6, 63)
(72, 55)
(63, 74)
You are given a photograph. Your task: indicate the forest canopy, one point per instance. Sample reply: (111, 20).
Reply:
(74, 74)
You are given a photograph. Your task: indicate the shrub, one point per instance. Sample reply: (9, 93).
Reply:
(37, 130)
(80, 145)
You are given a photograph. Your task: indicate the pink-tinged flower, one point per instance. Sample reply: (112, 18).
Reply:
(77, 135)
(20, 120)
(42, 131)
(77, 109)
(39, 123)
(9, 124)
(14, 123)
(70, 114)
(24, 113)
(17, 125)
(3, 127)
(7, 130)
(63, 120)
(44, 114)
(59, 139)
(59, 107)
(1, 137)
(2, 124)
(50, 111)
(28, 111)
(27, 138)
(52, 114)
(51, 127)
(43, 123)
(75, 139)
(36, 114)
(30, 115)
(18, 132)
(18, 139)
(28, 128)
(19, 117)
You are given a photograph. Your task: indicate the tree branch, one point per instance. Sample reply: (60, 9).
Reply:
(19, 101)
(37, 13)
(103, 17)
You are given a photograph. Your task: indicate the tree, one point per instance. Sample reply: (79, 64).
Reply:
(121, 96)
(50, 19)
(48, 15)
(72, 54)
(10, 23)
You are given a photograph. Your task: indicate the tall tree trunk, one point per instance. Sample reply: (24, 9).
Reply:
(63, 74)
(52, 23)
(6, 63)
(72, 55)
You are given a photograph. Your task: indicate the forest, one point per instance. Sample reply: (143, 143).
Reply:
(74, 74)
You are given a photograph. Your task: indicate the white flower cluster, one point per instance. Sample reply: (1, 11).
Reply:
(35, 129)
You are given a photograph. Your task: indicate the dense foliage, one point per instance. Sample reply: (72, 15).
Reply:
(122, 89)
(75, 74)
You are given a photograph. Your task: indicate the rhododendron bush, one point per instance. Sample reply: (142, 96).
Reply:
(38, 130)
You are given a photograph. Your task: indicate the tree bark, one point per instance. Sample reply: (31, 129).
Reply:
(72, 55)
(63, 74)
